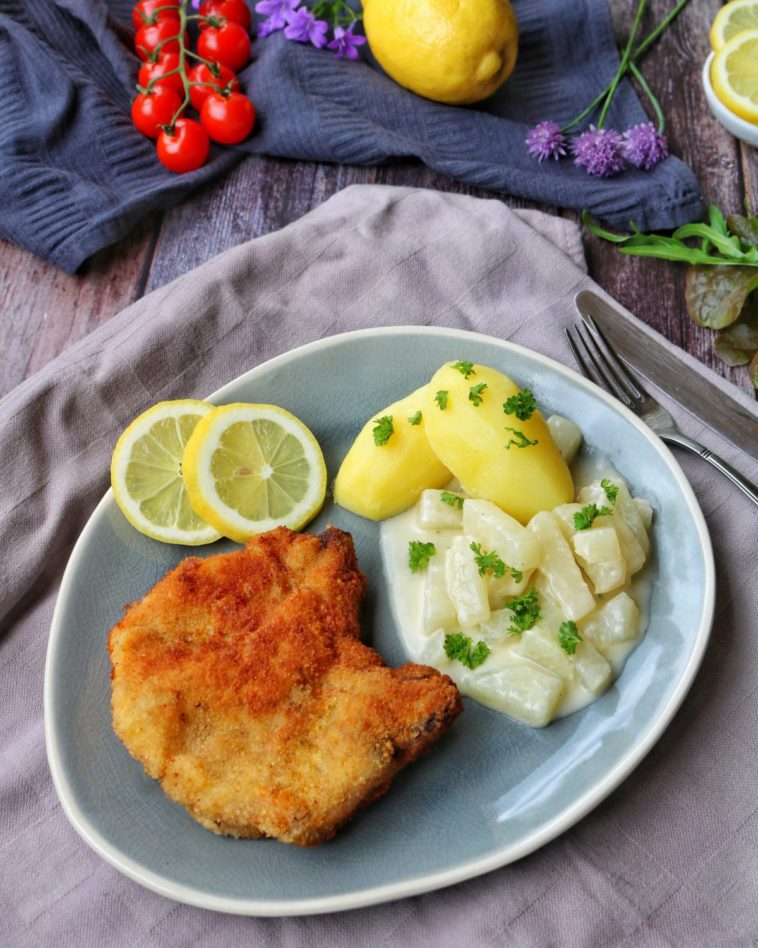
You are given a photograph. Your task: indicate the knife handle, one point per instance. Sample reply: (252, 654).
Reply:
(746, 486)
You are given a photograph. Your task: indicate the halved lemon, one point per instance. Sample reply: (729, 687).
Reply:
(734, 75)
(249, 468)
(146, 473)
(733, 18)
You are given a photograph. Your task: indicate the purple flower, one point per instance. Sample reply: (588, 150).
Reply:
(305, 28)
(600, 151)
(345, 42)
(644, 146)
(278, 13)
(546, 141)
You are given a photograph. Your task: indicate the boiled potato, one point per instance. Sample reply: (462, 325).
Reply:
(471, 440)
(378, 481)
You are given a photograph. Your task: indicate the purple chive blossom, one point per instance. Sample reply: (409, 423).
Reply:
(600, 151)
(277, 12)
(345, 42)
(305, 28)
(546, 141)
(644, 146)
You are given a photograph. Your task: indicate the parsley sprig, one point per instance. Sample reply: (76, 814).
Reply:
(522, 405)
(465, 368)
(611, 489)
(459, 647)
(415, 419)
(441, 399)
(568, 637)
(452, 500)
(525, 611)
(419, 554)
(492, 563)
(475, 393)
(584, 518)
(519, 439)
(383, 430)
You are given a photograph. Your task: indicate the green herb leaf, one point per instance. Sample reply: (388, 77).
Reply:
(415, 419)
(441, 399)
(519, 439)
(568, 637)
(715, 296)
(737, 344)
(419, 554)
(459, 647)
(746, 228)
(465, 368)
(523, 405)
(452, 500)
(475, 393)
(585, 517)
(487, 562)
(611, 490)
(525, 611)
(383, 430)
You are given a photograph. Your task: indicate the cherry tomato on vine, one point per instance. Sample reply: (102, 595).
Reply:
(145, 10)
(167, 62)
(235, 11)
(149, 38)
(228, 45)
(185, 149)
(151, 112)
(228, 118)
(226, 79)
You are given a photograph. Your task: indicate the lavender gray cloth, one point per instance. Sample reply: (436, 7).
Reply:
(75, 175)
(670, 859)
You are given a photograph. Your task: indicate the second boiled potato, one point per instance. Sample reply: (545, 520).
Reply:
(497, 456)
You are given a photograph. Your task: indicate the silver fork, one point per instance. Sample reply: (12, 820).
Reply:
(600, 364)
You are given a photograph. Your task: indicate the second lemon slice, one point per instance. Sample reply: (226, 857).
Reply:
(249, 468)
(734, 74)
(733, 18)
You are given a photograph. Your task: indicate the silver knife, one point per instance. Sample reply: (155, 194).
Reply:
(696, 394)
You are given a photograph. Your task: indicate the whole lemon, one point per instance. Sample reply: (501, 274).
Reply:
(454, 51)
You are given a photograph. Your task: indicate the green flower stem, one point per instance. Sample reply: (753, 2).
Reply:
(625, 56)
(651, 96)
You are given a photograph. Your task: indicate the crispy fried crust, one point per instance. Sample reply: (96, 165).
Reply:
(240, 683)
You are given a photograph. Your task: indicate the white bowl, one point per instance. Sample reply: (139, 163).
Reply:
(739, 127)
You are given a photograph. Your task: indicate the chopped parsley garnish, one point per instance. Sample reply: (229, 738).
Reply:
(465, 368)
(415, 419)
(459, 647)
(611, 489)
(523, 405)
(383, 430)
(525, 611)
(441, 399)
(452, 500)
(491, 562)
(568, 637)
(519, 439)
(584, 518)
(419, 554)
(475, 393)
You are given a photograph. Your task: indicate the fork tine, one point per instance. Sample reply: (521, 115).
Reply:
(586, 370)
(623, 376)
(599, 373)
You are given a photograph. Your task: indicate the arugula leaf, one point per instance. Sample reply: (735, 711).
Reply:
(475, 393)
(419, 554)
(415, 419)
(459, 647)
(465, 368)
(585, 517)
(568, 637)
(525, 610)
(452, 500)
(519, 439)
(523, 405)
(383, 430)
(441, 399)
(611, 489)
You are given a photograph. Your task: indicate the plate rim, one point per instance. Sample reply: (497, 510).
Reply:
(433, 881)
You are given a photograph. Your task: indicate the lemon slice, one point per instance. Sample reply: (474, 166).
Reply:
(733, 18)
(146, 474)
(249, 468)
(734, 74)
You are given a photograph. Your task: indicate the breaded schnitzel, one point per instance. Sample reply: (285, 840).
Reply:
(240, 683)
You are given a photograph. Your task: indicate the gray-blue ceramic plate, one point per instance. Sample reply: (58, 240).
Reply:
(491, 790)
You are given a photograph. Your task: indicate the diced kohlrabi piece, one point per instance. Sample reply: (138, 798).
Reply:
(645, 509)
(497, 530)
(562, 579)
(540, 645)
(593, 670)
(433, 513)
(599, 553)
(565, 516)
(567, 436)
(465, 587)
(522, 690)
(623, 506)
(617, 620)
(438, 611)
(506, 587)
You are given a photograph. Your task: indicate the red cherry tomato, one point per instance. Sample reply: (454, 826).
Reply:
(235, 11)
(151, 112)
(167, 62)
(185, 149)
(228, 45)
(148, 11)
(149, 38)
(228, 118)
(201, 73)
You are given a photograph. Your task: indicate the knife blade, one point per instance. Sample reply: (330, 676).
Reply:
(696, 394)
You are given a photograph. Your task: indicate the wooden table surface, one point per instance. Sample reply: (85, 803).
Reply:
(45, 311)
